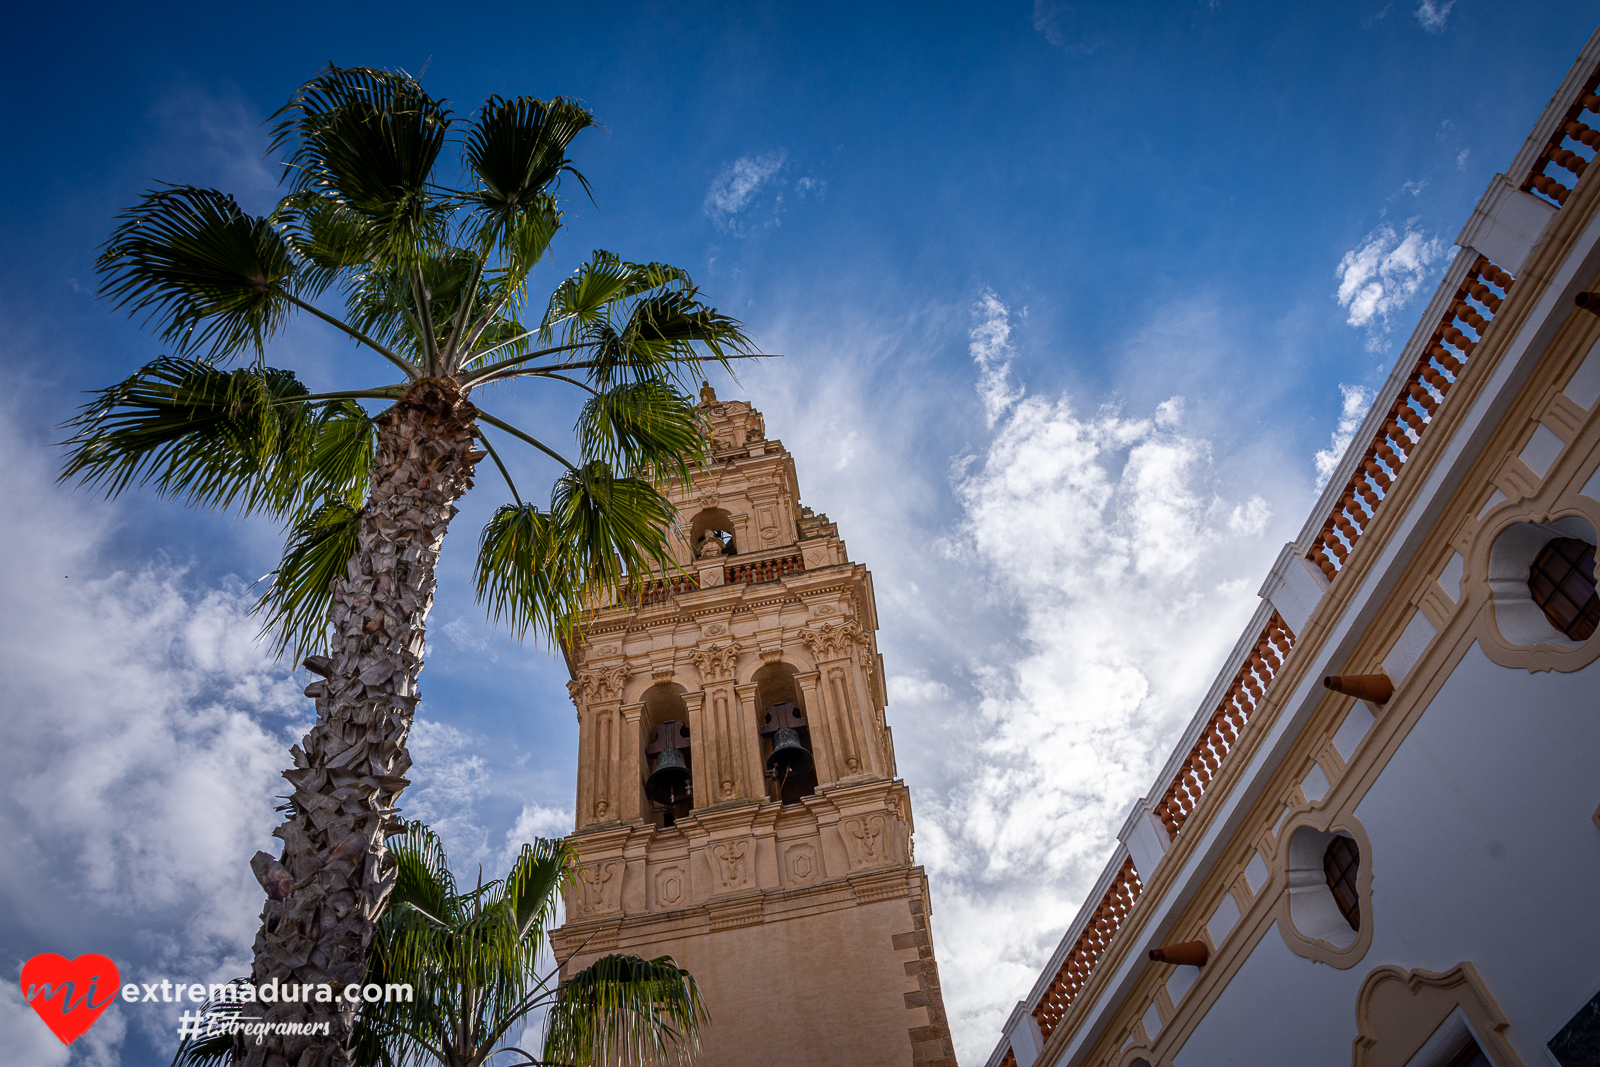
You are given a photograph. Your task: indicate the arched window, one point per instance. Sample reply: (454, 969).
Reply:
(666, 724)
(1341, 863)
(718, 524)
(1562, 583)
(776, 692)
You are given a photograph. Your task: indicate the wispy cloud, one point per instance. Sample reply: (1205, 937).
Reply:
(1461, 158)
(991, 351)
(1357, 399)
(1070, 27)
(735, 189)
(1382, 274)
(1431, 14)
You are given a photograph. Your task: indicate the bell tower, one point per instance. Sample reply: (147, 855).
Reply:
(738, 806)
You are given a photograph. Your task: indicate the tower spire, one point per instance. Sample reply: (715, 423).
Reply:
(738, 802)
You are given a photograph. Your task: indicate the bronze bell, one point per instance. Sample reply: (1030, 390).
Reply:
(789, 757)
(668, 784)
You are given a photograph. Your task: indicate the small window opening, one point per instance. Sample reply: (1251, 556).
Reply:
(1562, 583)
(1340, 865)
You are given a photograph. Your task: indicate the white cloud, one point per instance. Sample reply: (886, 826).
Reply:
(1415, 188)
(904, 689)
(1461, 158)
(735, 189)
(1431, 14)
(1382, 274)
(1130, 574)
(991, 351)
(1356, 401)
(809, 186)
(145, 732)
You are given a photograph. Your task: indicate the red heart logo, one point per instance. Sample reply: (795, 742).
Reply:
(76, 984)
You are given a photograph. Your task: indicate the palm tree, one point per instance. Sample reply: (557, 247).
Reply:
(435, 284)
(471, 959)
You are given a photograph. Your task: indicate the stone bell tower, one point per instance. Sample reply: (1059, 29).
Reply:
(738, 805)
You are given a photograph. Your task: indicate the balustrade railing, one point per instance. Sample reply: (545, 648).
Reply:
(1222, 731)
(764, 570)
(1087, 950)
(1572, 136)
(1443, 358)
(660, 590)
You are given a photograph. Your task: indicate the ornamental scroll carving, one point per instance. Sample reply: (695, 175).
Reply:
(835, 642)
(598, 686)
(600, 887)
(716, 664)
(731, 862)
(866, 839)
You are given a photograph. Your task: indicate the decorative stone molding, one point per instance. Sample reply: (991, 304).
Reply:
(801, 865)
(716, 664)
(1308, 919)
(1398, 1012)
(599, 685)
(867, 840)
(600, 887)
(835, 642)
(733, 865)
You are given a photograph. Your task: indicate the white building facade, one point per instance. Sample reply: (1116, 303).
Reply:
(1378, 843)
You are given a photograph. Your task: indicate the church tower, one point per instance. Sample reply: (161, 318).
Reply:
(738, 806)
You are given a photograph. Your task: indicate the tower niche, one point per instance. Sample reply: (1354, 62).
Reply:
(785, 880)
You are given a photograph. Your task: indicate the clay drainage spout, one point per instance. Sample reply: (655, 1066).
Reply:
(1589, 302)
(1185, 953)
(1374, 687)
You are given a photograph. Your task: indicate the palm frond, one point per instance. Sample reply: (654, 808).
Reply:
(647, 427)
(543, 867)
(369, 139)
(208, 437)
(295, 605)
(610, 527)
(517, 149)
(600, 285)
(203, 272)
(331, 237)
(625, 1010)
(519, 573)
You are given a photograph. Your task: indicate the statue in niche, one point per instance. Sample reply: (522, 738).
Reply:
(712, 545)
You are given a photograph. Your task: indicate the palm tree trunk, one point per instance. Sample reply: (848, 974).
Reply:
(327, 890)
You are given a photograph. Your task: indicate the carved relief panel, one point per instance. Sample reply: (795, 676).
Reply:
(733, 865)
(600, 887)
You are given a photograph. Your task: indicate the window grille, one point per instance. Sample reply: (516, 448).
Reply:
(1340, 865)
(1562, 583)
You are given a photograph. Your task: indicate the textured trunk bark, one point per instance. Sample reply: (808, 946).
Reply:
(327, 890)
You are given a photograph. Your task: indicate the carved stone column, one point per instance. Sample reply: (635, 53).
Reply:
(598, 696)
(748, 731)
(702, 751)
(630, 804)
(725, 773)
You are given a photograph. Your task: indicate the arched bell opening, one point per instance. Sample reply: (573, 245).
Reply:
(787, 755)
(668, 772)
(711, 535)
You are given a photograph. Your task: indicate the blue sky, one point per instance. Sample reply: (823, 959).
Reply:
(1070, 298)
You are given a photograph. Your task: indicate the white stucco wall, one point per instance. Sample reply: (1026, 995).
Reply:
(1483, 849)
